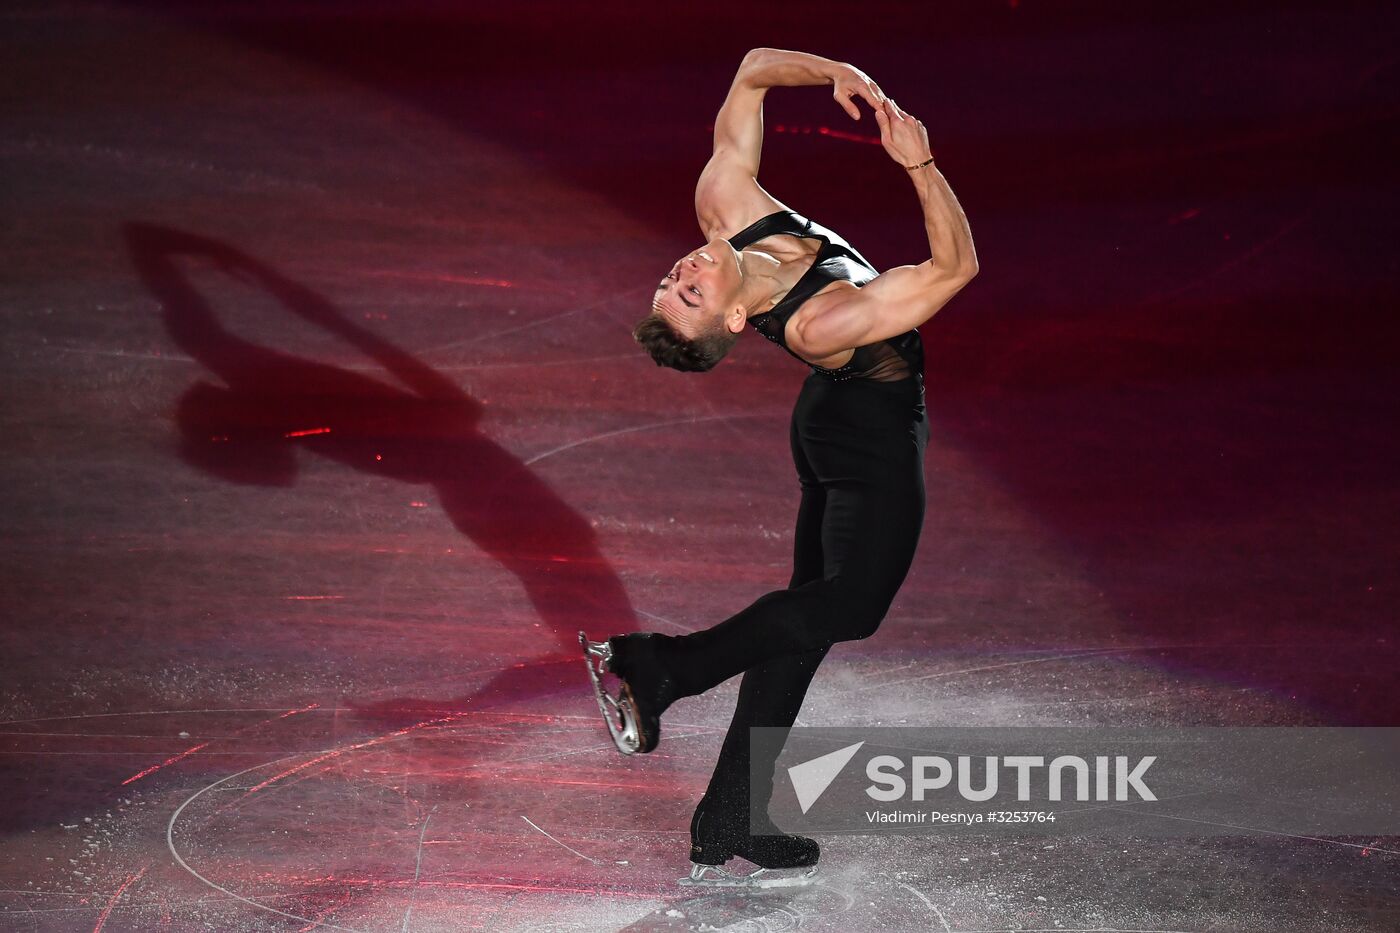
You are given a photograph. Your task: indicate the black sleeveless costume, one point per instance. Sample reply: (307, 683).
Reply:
(858, 435)
(885, 361)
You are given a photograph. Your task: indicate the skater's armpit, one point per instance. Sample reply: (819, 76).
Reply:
(895, 301)
(728, 199)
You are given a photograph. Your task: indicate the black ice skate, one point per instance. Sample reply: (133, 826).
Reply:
(633, 717)
(783, 860)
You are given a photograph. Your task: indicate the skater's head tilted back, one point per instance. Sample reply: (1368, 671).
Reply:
(699, 309)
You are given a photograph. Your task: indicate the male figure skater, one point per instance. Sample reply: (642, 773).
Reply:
(858, 434)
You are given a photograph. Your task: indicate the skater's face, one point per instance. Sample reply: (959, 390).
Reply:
(700, 292)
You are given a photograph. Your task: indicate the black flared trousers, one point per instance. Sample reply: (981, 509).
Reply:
(858, 446)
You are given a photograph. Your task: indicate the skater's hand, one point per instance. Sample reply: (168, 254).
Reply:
(849, 83)
(902, 135)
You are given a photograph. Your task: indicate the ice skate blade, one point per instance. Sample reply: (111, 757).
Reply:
(618, 713)
(714, 876)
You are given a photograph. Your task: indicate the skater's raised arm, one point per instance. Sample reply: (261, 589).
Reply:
(901, 298)
(739, 125)
(728, 185)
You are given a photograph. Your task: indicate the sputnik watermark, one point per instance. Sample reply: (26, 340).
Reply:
(1116, 781)
(1190, 781)
(935, 773)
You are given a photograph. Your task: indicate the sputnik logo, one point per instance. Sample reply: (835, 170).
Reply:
(811, 778)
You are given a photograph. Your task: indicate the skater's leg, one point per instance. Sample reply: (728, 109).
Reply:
(771, 693)
(865, 445)
(869, 533)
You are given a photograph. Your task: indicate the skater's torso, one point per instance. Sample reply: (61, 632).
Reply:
(835, 265)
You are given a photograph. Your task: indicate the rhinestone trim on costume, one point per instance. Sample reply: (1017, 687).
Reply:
(835, 375)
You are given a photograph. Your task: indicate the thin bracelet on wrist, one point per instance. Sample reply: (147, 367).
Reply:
(920, 165)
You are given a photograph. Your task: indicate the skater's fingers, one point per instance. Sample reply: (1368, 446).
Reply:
(870, 94)
(883, 119)
(845, 97)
